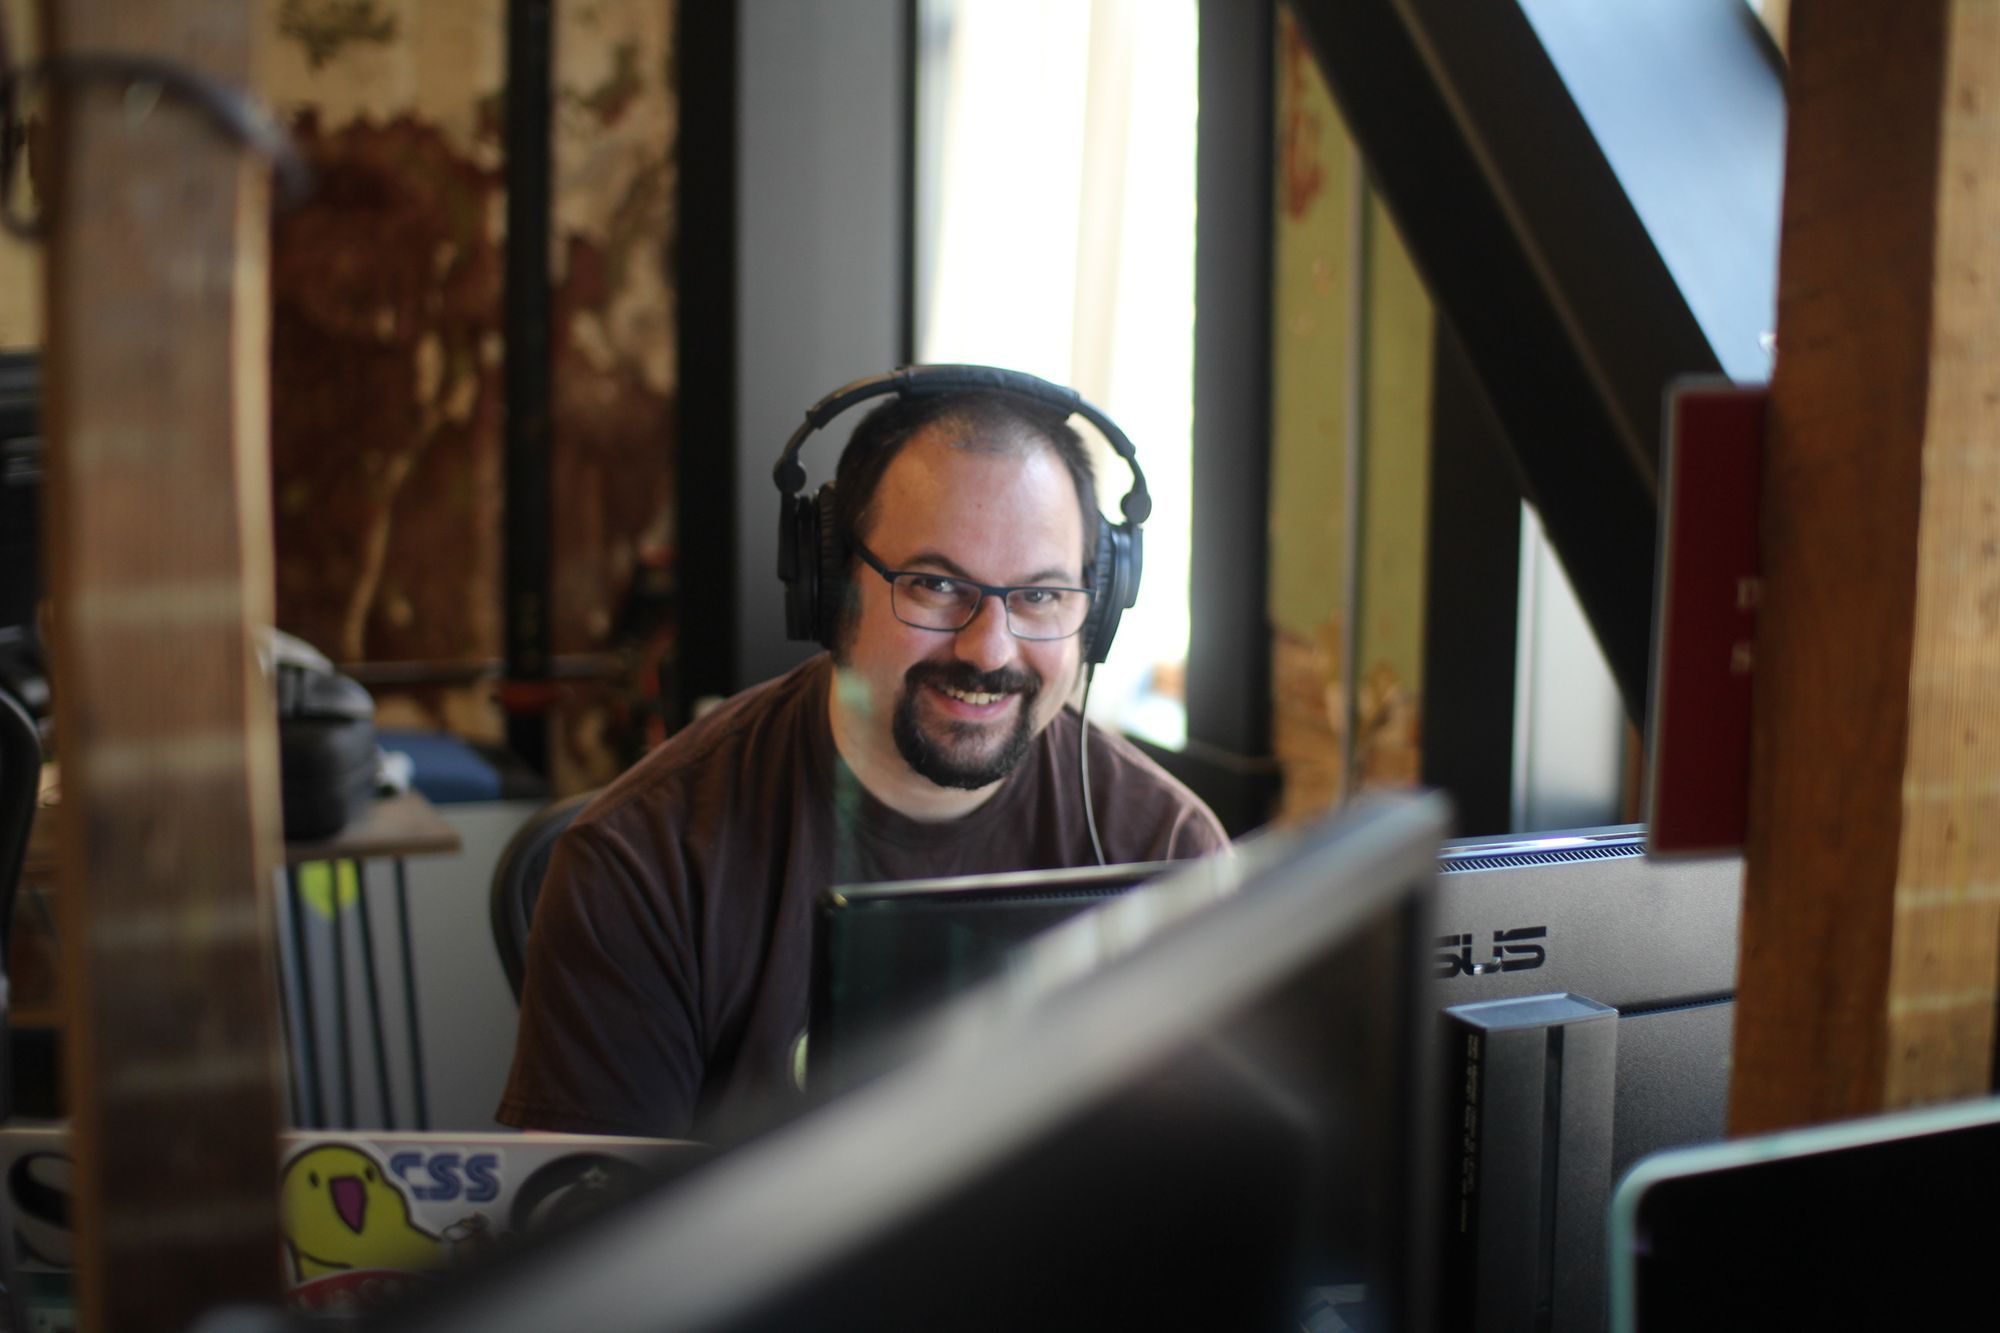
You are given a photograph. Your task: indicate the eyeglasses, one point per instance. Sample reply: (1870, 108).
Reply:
(946, 604)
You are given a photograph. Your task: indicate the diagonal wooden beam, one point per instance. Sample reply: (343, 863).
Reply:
(1871, 921)
(158, 520)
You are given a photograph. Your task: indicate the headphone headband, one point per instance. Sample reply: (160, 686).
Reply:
(911, 381)
(812, 559)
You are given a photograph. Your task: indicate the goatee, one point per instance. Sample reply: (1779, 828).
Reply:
(959, 755)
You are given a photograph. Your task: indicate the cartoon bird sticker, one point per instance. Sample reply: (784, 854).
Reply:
(340, 1212)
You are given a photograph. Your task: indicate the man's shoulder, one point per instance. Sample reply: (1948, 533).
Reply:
(1124, 762)
(1125, 777)
(721, 744)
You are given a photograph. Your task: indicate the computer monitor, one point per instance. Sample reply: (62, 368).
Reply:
(884, 953)
(1044, 1161)
(1587, 999)
(1587, 912)
(1579, 911)
(1886, 1222)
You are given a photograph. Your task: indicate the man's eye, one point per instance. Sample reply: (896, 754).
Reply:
(1039, 597)
(936, 587)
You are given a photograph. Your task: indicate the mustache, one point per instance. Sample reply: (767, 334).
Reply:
(967, 679)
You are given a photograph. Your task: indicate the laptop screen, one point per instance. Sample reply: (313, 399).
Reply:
(1884, 1222)
(885, 952)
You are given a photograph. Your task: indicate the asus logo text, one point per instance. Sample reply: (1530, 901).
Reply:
(1512, 952)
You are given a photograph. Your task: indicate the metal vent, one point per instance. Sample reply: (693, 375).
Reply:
(1083, 893)
(1555, 856)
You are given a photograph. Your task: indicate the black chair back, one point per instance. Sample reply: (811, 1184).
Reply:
(20, 779)
(517, 882)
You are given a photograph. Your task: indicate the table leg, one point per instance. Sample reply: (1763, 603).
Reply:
(410, 997)
(294, 1083)
(340, 1000)
(312, 1107)
(374, 995)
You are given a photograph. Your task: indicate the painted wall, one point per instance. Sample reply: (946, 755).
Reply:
(615, 409)
(20, 262)
(821, 289)
(1351, 399)
(1311, 349)
(1396, 436)
(388, 356)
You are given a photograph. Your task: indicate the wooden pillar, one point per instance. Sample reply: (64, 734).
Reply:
(1872, 903)
(158, 520)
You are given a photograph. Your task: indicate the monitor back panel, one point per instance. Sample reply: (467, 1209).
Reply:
(1587, 913)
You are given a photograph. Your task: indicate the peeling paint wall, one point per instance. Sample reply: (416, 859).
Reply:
(1311, 349)
(1342, 275)
(1395, 520)
(386, 396)
(386, 389)
(388, 356)
(616, 116)
(20, 262)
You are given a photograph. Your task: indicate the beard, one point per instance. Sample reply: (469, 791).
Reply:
(956, 754)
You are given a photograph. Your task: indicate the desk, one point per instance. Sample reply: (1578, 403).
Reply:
(391, 830)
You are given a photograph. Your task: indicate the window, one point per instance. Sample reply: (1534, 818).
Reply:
(1055, 235)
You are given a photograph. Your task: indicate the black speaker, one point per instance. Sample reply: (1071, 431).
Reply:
(813, 562)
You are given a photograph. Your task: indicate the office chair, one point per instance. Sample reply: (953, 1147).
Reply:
(20, 779)
(517, 881)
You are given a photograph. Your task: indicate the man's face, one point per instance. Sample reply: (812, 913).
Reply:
(960, 709)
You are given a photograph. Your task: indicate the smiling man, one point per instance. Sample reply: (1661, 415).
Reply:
(667, 971)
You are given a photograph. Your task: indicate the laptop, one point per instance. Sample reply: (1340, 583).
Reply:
(364, 1216)
(1885, 1222)
(885, 952)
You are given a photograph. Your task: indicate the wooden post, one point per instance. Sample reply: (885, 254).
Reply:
(158, 519)
(1872, 902)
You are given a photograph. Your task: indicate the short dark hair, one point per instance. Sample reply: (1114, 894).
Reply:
(991, 413)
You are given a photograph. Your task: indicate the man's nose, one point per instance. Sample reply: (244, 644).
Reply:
(987, 643)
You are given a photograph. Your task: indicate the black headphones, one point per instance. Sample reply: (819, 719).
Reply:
(813, 562)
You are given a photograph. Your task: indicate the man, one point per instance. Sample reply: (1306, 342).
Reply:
(668, 968)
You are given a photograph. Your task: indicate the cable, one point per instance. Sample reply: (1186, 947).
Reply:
(1083, 761)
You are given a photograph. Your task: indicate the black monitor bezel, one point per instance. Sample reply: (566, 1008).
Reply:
(846, 907)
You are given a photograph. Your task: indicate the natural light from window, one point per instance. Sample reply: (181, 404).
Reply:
(1055, 235)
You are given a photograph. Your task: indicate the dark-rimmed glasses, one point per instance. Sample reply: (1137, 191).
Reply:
(947, 604)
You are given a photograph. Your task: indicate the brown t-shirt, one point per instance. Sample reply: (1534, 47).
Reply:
(668, 967)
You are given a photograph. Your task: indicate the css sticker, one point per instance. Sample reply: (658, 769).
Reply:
(446, 1176)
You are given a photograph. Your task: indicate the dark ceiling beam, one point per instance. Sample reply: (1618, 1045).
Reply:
(1532, 246)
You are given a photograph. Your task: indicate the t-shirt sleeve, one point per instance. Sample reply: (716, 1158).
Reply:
(1195, 832)
(610, 1036)
(1152, 815)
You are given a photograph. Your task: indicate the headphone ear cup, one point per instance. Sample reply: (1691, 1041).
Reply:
(1120, 554)
(831, 554)
(798, 564)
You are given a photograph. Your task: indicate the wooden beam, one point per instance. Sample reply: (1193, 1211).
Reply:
(1872, 901)
(158, 518)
